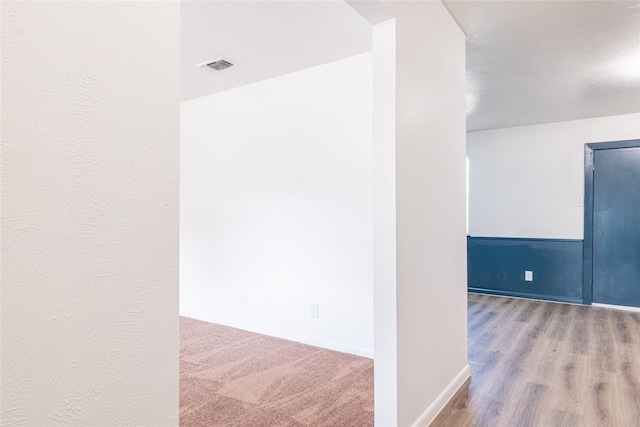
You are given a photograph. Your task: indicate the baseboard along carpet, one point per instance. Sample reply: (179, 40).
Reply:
(231, 377)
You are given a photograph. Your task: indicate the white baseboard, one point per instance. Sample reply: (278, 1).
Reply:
(329, 345)
(316, 342)
(441, 401)
(617, 307)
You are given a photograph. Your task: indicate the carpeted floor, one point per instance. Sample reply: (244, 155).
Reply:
(231, 377)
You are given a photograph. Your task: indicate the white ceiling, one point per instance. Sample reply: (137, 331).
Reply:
(264, 39)
(528, 62)
(532, 62)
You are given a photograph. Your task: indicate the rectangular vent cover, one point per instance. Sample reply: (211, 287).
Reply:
(219, 64)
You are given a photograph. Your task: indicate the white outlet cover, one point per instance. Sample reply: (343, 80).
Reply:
(314, 310)
(528, 276)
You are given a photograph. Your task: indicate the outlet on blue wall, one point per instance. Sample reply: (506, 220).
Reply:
(497, 265)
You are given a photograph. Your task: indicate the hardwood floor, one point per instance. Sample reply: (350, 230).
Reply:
(544, 364)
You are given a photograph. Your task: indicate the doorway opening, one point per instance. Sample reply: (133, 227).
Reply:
(276, 232)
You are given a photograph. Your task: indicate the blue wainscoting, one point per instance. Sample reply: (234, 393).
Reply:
(497, 265)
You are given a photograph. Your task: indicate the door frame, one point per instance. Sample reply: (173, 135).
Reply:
(587, 260)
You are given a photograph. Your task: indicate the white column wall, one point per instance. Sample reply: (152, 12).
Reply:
(420, 251)
(431, 242)
(384, 224)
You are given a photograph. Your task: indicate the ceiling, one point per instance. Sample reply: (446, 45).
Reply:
(264, 39)
(532, 62)
(528, 62)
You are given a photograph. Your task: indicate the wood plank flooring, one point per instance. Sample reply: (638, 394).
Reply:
(544, 364)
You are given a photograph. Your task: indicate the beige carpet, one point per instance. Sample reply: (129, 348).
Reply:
(231, 377)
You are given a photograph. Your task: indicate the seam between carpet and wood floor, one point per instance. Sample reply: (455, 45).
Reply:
(533, 364)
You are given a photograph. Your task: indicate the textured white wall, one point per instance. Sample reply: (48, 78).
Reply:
(419, 209)
(90, 157)
(524, 181)
(430, 206)
(276, 204)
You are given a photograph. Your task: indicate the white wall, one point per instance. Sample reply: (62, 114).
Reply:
(430, 262)
(276, 204)
(524, 181)
(90, 146)
(419, 209)
(385, 303)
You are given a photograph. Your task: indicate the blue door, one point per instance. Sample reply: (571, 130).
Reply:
(616, 226)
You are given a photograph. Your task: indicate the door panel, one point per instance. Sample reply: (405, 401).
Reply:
(616, 226)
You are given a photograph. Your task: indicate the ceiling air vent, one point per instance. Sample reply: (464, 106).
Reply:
(217, 64)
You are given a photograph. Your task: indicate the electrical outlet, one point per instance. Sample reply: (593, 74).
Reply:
(528, 276)
(243, 298)
(314, 313)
